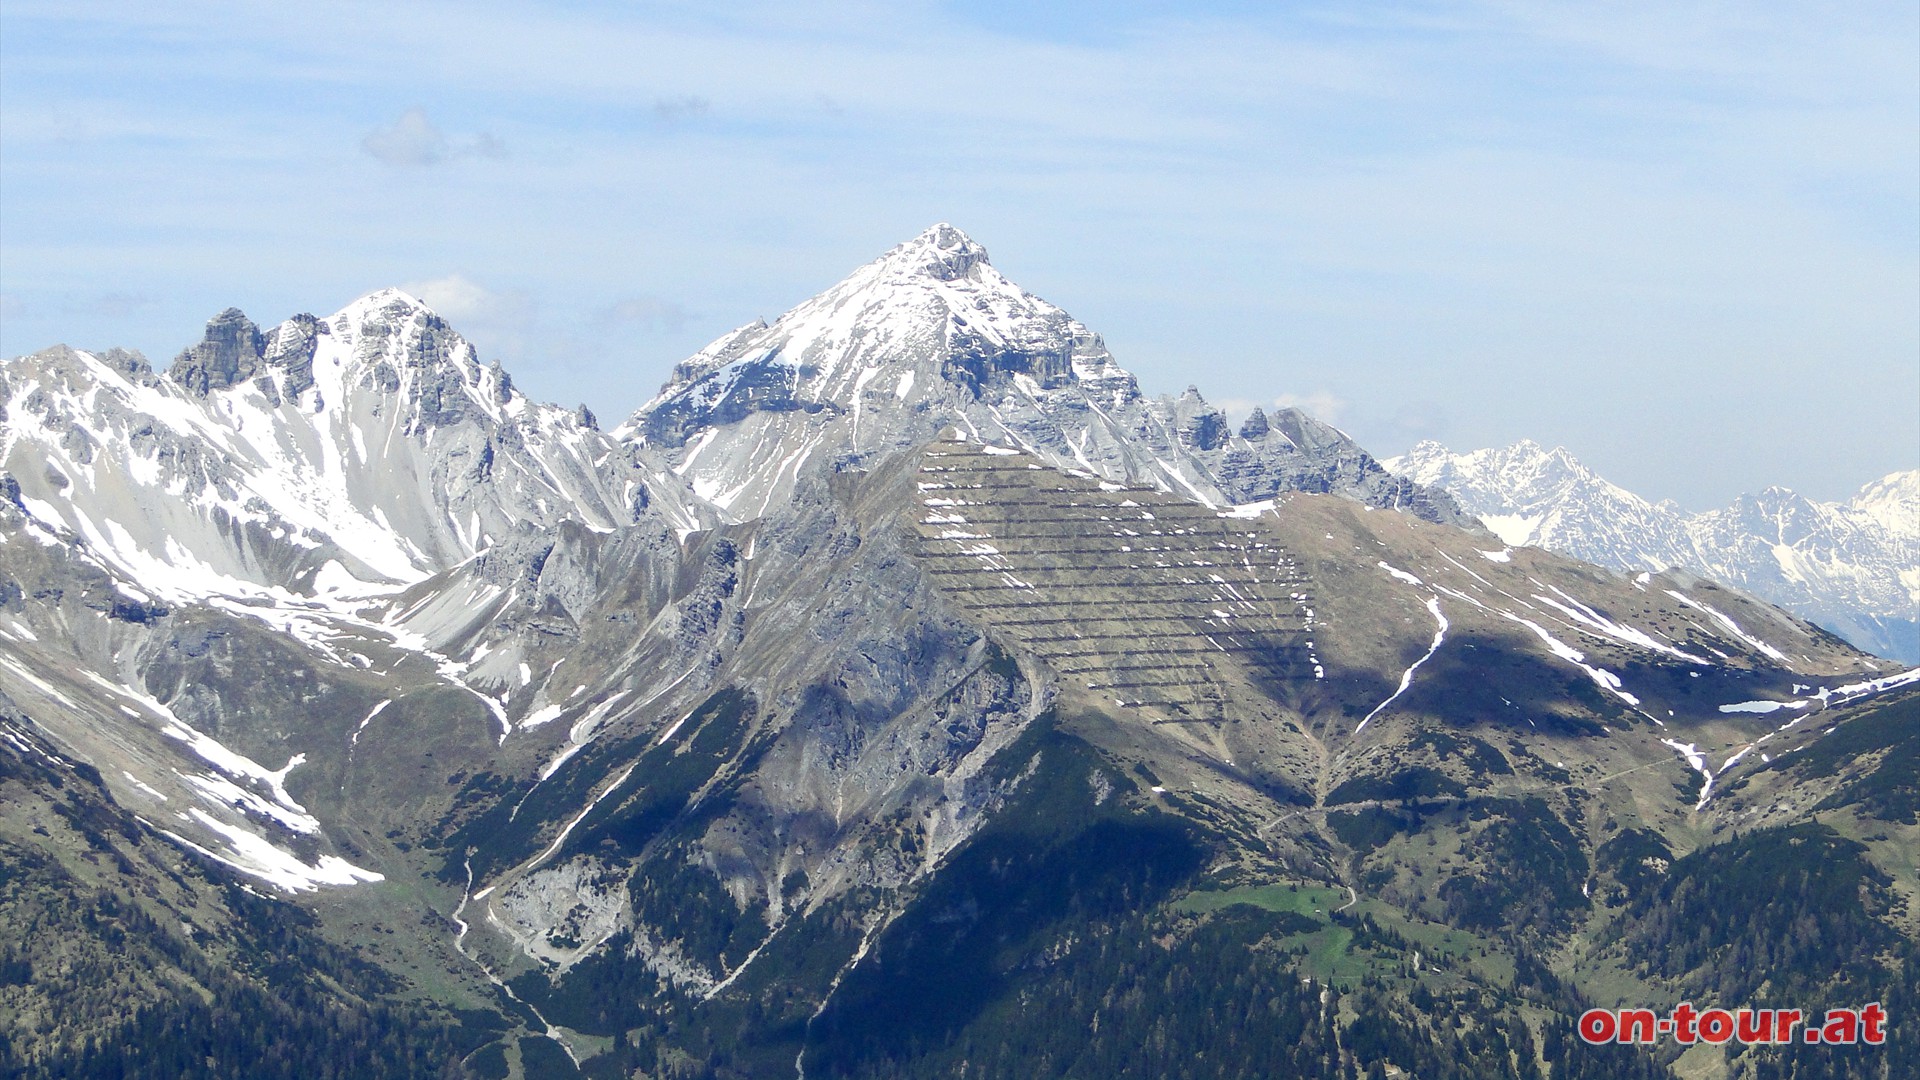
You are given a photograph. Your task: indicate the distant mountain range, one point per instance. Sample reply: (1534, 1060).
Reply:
(899, 693)
(1853, 566)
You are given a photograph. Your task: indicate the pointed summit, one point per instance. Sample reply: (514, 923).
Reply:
(390, 299)
(931, 336)
(929, 320)
(942, 252)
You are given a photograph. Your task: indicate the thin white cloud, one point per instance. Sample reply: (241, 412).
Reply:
(1236, 408)
(458, 298)
(501, 323)
(1322, 405)
(414, 142)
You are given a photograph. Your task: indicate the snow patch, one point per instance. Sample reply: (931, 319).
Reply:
(1732, 626)
(377, 709)
(1406, 677)
(1514, 530)
(1398, 574)
(1761, 706)
(1699, 762)
(256, 857)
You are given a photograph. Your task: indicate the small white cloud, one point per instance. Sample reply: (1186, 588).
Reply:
(681, 107)
(1322, 405)
(486, 145)
(459, 298)
(414, 142)
(501, 323)
(1236, 408)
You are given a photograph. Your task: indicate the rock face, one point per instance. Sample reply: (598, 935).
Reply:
(897, 651)
(232, 352)
(1849, 566)
(931, 335)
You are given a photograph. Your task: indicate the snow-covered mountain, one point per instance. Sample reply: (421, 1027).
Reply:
(280, 486)
(367, 449)
(1853, 566)
(931, 336)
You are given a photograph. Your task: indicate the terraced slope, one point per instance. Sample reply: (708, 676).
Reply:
(1300, 645)
(1160, 604)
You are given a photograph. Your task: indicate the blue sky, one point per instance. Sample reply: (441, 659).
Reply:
(1681, 239)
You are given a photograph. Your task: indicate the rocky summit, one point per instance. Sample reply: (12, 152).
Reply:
(930, 335)
(900, 692)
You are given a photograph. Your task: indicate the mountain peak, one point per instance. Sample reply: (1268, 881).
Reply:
(1894, 502)
(381, 299)
(231, 352)
(929, 319)
(941, 252)
(931, 336)
(384, 307)
(1894, 485)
